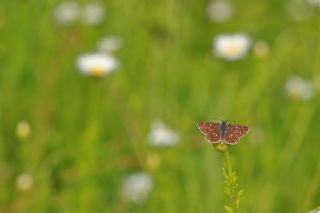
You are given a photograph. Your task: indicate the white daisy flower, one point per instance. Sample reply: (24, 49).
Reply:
(162, 136)
(23, 130)
(136, 187)
(298, 88)
(24, 181)
(96, 64)
(93, 14)
(314, 3)
(316, 210)
(67, 13)
(109, 44)
(231, 47)
(220, 11)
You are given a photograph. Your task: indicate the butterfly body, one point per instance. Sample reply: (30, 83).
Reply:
(223, 129)
(222, 132)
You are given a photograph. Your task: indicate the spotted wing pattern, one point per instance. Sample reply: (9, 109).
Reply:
(211, 130)
(234, 133)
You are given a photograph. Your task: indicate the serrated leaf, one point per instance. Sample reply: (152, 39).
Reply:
(241, 194)
(228, 209)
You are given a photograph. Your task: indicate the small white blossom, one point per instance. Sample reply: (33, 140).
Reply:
(231, 47)
(220, 10)
(23, 130)
(93, 13)
(96, 64)
(136, 187)
(162, 136)
(314, 3)
(316, 210)
(109, 44)
(24, 181)
(67, 13)
(298, 88)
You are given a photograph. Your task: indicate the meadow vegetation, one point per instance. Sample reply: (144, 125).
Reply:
(69, 140)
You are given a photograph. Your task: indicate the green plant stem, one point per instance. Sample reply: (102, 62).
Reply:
(230, 173)
(228, 162)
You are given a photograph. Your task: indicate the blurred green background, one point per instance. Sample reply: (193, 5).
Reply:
(88, 134)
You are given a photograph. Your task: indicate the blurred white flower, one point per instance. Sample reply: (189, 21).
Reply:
(220, 10)
(162, 136)
(96, 64)
(109, 44)
(93, 13)
(23, 130)
(316, 210)
(67, 13)
(231, 47)
(136, 187)
(298, 88)
(261, 49)
(24, 181)
(314, 3)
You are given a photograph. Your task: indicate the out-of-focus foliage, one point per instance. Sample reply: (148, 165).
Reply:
(70, 142)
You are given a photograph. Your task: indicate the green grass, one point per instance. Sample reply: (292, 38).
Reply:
(88, 134)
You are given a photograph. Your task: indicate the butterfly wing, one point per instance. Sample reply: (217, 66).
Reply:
(234, 133)
(211, 131)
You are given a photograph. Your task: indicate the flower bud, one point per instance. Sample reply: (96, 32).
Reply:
(221, 147)
(23, 130)
(24, 181)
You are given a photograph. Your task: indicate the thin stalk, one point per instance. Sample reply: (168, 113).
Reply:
(228, 162)
(231, 182)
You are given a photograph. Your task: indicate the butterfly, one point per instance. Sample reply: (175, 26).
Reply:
(217, 132)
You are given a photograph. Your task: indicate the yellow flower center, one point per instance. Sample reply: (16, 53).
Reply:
(232, 49)
(96, 72)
